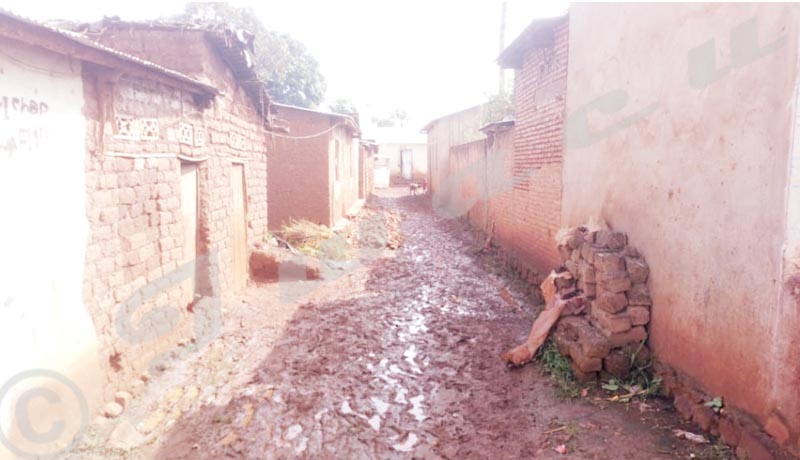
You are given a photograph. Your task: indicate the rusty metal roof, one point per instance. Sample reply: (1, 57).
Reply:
(235, 47)
(88, 44)
(349, 120)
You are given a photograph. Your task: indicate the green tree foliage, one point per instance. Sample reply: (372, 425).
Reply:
(498, 107)
(343, 106)
(291, 72)
(397, 118)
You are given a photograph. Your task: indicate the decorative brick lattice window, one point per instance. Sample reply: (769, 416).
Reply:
(199, 136)
(149, 129)
(186, 134)
(127, 127)
(236, 141)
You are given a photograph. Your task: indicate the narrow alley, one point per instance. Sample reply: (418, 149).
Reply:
(398, 358)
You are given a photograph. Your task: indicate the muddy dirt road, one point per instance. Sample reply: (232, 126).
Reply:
(398, 358)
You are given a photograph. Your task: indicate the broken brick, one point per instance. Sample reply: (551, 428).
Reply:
(637, 269)
(639, 315)
(638, 351)
(563, 341)
(703, 416)
(575, 240)
(577, 328)
(564, 282)
(609, 262)
(564, 253)
(639, 295)
(616, 281)
(572, 267)
(610, 302)
(610, 240)
(574, 306)
(582, 361)
(630, 251)
(582, 376)
(593, 343)
(586, 272)
(617, 363)
(610, 323)
(587, 253)
(634, 335)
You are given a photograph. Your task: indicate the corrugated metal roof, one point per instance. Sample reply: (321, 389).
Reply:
(347, 118)
(84, 41)
(235, 46)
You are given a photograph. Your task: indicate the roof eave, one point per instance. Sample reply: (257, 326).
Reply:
(539, 34)
(84, 49)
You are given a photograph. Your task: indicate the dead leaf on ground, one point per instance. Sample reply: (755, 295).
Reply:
(689, 436)
(561, 448)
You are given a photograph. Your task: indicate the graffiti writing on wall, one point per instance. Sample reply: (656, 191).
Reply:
(11, 106)
(22, 126)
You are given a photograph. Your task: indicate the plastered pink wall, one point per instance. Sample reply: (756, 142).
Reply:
(679, 132)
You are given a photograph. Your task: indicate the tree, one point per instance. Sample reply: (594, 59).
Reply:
(498, 108)
(291, 72)
(397, 118)
(345, 106)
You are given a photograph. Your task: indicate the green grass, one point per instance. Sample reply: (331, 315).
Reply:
(559, 369)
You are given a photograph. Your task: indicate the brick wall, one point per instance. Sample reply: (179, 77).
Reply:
(298, 169)
(540, 101)
(515, 187)
(139, 133)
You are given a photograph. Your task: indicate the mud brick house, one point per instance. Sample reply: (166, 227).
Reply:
(406, 151)
(313, 170)
(210, 155)
(682, 133)
(143, 186)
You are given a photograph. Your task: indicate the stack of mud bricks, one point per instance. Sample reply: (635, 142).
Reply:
(602, 328)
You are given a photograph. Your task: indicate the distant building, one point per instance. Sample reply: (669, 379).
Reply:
(448, 131)
(405, 151)
(313, 168)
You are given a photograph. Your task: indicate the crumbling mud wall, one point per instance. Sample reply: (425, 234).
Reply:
(604, 323)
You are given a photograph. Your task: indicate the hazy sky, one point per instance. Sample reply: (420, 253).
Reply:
(428, 57)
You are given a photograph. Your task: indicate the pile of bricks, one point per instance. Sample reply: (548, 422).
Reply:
(603, 325)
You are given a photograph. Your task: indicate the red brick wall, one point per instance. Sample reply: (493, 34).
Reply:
(134, 204)
(298, 170)
(540, 101)
(516, 185)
